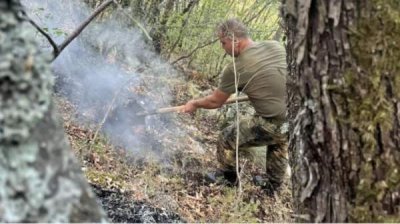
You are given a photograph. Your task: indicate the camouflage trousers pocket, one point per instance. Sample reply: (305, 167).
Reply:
(255, 134)
(273, 129)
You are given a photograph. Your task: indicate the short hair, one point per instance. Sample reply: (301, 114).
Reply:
(231, 27)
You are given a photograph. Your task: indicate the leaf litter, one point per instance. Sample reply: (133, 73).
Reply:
(166, 176)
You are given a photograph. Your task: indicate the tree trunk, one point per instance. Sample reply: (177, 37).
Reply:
(344, 91)
(40, 180)
(158, 34)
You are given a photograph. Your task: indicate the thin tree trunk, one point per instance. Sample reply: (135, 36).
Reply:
(344, 109)
(158, 35)
(178, 40)
(40, 180)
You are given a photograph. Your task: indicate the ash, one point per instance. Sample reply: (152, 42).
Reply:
(121, 209)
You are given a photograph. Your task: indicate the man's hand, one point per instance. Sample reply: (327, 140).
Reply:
(215, 100)
(189, 107)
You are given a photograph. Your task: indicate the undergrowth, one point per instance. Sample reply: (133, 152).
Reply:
(173, 179)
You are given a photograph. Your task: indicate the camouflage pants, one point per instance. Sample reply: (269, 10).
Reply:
(256, 131)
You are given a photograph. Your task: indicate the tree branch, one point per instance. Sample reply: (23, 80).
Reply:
(82, 26)
(194, 50)
(46, 35)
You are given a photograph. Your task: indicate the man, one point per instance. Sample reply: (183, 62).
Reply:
(261, 69)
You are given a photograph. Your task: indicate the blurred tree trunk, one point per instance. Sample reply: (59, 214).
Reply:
(185, 15)
(344, 107)
(40, 180)
(158, 34)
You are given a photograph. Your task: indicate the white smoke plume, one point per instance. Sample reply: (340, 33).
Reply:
(106, 59)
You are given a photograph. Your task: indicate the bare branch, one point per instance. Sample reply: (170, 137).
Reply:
(82, 26)
(194, 50)
(46, 35)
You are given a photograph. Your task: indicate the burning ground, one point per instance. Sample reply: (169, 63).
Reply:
(163, 172)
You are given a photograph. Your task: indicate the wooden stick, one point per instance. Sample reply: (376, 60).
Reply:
(177, 108)
(239, 99)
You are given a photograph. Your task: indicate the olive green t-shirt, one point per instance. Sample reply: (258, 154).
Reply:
(261, 70)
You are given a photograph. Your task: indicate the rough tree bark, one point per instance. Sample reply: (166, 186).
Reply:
(40, 180)
(344, 107)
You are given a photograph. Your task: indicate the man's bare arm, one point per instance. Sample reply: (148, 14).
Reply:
(215, 100)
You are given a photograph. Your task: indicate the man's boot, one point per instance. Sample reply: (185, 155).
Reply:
(227, 177)
(275, 171)
(269, 186)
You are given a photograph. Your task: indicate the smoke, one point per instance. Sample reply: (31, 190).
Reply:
(110, 63)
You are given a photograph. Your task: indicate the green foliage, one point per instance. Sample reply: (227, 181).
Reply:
(187, 28)
(195, 28)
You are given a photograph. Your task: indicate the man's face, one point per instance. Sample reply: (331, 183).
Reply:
(226, 44)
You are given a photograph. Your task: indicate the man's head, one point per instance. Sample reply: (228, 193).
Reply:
(232, 30)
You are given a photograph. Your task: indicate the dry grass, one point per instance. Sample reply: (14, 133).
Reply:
(173, 179)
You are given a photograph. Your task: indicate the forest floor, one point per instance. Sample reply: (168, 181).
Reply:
(168, 174)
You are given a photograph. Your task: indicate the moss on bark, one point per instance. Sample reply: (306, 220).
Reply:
(373, 91)
(344, 106)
